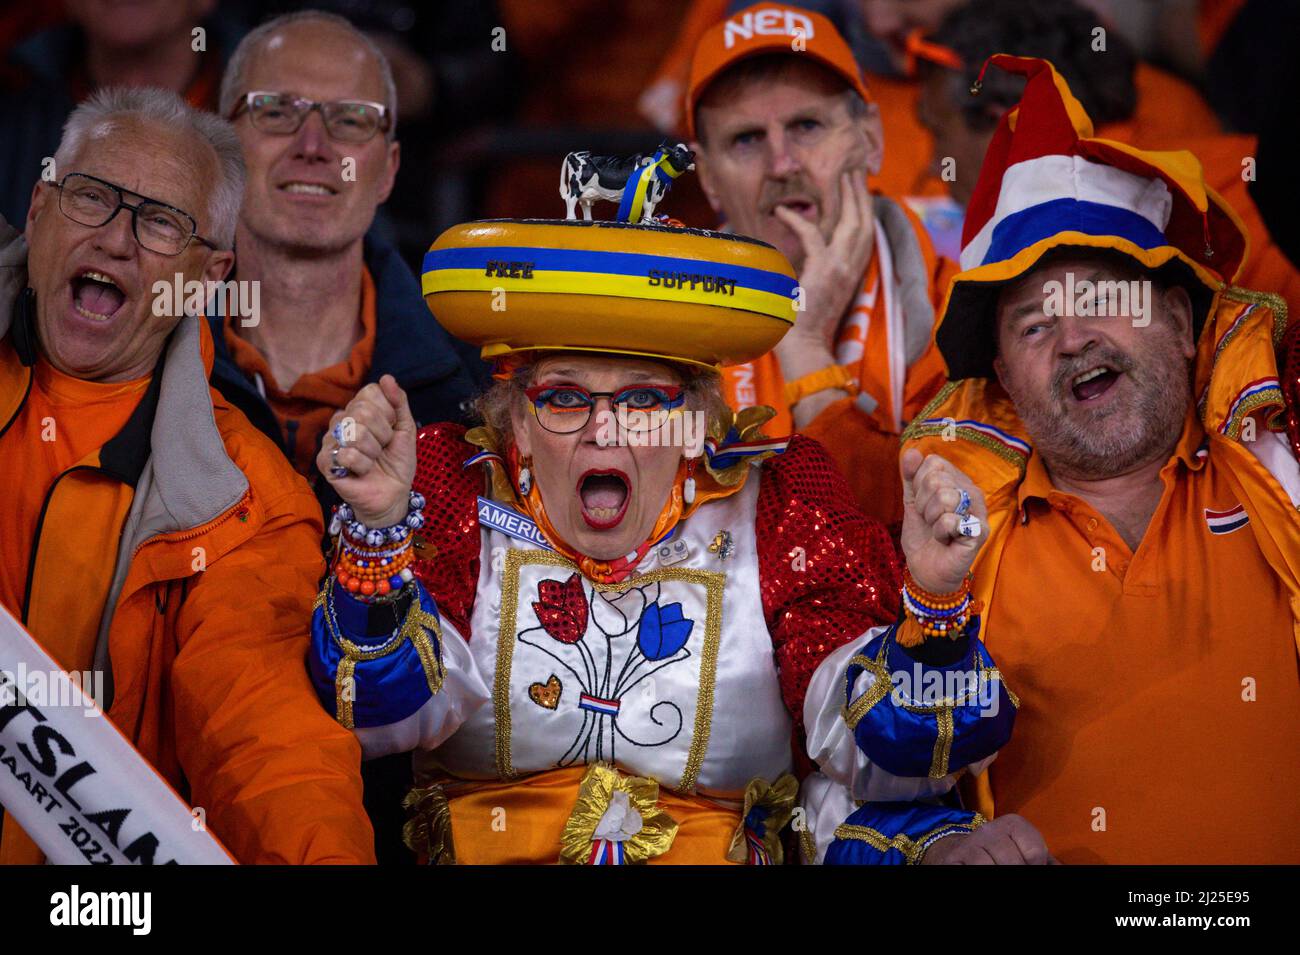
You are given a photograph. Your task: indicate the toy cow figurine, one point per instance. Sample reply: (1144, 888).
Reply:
(637, 183)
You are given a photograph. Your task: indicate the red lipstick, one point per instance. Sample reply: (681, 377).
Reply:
(604, 494)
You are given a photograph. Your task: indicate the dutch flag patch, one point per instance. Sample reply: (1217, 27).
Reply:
(1225, 522)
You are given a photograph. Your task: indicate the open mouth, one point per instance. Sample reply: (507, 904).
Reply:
(1093, 383)
(298, 188)
(802, 207)
(96, 296)
(604, 496)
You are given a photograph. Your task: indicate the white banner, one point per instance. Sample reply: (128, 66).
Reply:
(73, 781)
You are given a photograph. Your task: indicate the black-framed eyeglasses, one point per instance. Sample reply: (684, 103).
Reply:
(158, 227)
(566, 409)
(281, 114)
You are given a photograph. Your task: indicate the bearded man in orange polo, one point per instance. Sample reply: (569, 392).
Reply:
(1118, 402)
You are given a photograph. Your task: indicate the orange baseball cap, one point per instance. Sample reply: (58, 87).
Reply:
(769, 28)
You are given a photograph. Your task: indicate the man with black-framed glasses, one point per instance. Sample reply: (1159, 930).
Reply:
(157, 226)
(150, 537)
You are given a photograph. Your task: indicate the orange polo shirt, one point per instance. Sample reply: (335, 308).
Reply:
(304, 410)
(1160, 703)
(64, 422)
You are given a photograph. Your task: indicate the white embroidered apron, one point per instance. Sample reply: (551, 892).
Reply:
(669, 674)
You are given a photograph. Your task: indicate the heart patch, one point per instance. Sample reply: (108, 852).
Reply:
(546, 695)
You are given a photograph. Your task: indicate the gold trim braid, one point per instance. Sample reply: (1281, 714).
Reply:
(942, 743)
(879, 689)
(911, 431)
(1274, 302)
(344, 676)
(427, 831)
(975, 437)
(415, 629)
(912, 849)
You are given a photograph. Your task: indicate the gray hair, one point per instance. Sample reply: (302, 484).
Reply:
(233, 79)
(166, 109)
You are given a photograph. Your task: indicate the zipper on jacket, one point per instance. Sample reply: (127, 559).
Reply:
(27, 587)
(40, 525)
(21, 404)
(199, 531)
(36, 538)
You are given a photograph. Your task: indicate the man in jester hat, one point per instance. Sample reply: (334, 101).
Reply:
(595, 618)
(1121, 405)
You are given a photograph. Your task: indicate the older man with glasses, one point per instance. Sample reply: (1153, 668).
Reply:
(313, 102)
(95, 202)
(150, 533)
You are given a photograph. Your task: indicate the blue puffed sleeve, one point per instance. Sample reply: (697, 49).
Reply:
(891, 728)
(367, 681)
(395, 673)
(895, 833)
(920, 719)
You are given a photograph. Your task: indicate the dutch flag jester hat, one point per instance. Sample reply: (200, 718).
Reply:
(1047, 182)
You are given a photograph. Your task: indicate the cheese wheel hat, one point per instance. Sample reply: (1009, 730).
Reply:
(523, 285)
(1047, 183)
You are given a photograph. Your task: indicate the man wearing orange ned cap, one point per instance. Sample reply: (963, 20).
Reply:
(1119, 404)
(785, 134)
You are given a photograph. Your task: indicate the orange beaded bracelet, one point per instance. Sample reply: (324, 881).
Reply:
(939, 615)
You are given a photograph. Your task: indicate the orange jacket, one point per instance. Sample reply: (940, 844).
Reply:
(204, 557)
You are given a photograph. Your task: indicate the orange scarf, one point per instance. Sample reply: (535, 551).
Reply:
(869, 343)
(606, 571)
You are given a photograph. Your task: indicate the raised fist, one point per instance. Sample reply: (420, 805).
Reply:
(938, 554)
(377, 450)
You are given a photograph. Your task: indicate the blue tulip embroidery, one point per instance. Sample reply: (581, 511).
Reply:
(663, 631)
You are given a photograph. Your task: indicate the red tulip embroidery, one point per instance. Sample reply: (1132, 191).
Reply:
(561, 609)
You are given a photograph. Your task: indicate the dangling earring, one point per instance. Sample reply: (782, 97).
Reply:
(688, 486)
(525, 481)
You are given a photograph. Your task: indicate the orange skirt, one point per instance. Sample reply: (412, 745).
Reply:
(519, 822)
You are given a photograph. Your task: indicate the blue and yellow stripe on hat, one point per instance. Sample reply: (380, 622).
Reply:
(632, 205)
(623, 274)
